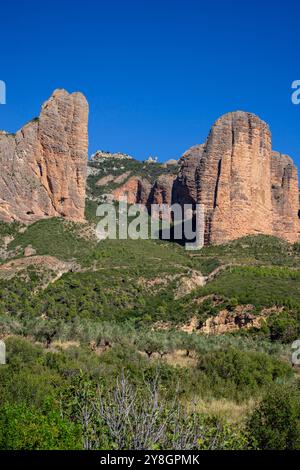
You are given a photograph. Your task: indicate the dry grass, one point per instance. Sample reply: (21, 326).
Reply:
(232, 412)
(63, 345)
(177, 358)
(180, 359)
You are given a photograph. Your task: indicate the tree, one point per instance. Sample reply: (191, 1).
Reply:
(149, 342)
(47, 329)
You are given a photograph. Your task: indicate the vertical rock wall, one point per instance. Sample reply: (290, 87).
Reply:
(44, 165)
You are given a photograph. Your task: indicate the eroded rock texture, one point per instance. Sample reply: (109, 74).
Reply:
(285, 197)
(44, 165)
(136, 190)
(185, 189)
(162, 191)
(246, 188)
(140, 191)
(233, 178)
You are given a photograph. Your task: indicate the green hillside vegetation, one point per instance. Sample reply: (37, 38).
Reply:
(115, 167)
(258, 285)
(116, 318)
(8, 230)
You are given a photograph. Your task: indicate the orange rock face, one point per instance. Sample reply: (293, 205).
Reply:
(246, 188)
(162, 192)
(136, 191)
(285, 197)
(185, 188)
(44, 165)
(234, 178)
(140, 191)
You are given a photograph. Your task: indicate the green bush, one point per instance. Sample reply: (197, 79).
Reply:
(275, 424)
(23, 427)
(283, 327)
(245, 371)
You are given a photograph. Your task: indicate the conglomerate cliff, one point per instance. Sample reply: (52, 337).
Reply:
(245, 187)
(44, 165)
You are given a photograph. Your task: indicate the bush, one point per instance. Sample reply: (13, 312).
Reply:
(283, 328)
(275, 424)
(21, 352)
(126, 416)
(23, 427)
(246, 371)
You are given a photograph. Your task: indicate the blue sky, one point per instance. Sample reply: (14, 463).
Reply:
(157, 74)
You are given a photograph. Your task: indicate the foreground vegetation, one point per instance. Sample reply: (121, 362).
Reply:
(74, 398)
(111, 333)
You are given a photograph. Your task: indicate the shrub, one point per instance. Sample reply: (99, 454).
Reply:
(275, 423)
(283, 328)
(126, 416)
(246, 370)
(23, 427)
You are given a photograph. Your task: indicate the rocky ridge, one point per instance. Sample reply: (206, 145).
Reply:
(245, 187)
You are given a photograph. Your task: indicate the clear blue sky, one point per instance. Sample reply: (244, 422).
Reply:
(156, 73)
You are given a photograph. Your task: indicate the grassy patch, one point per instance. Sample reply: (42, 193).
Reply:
(53, 237)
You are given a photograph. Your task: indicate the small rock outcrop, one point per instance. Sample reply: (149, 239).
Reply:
(101, 155)
(44, 165)
(136, 190)
(29, 251)
(225, 322)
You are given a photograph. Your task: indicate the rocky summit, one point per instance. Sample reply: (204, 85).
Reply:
(43, 165)
(245, 187)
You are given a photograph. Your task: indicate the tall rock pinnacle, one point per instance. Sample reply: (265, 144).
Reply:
(43, 166)
(234, 178)
(246, 188)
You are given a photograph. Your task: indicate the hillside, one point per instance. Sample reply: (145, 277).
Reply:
(106, 174)
(217, 324)
(160, 347)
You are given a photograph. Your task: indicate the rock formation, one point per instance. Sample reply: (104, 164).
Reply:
(162, 191)
(171, 162)
(185, 190)
(101, 155)
(233, 178)
(139, 190)
(246, 188)
(136, 190)
(285, 197)
(242, 317)
(44, 165)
